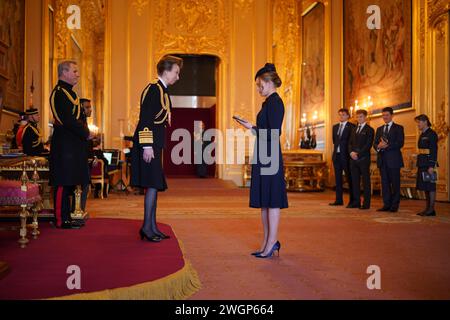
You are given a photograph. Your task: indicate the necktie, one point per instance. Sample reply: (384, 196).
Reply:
(340, 130)
(359, 129)
(386, 130)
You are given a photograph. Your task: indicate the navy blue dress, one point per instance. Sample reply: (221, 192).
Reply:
(268, 191)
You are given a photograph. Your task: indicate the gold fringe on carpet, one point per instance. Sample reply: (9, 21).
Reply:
(177, 286)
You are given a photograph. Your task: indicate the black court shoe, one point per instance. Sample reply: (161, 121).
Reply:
(154, 238)
(162, 236)
(427, 214)
(276, 247)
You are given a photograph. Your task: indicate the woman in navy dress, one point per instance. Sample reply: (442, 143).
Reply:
(268, 186)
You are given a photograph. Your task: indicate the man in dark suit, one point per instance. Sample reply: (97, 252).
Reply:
(341, 156)
(361, 141)
(389, 141)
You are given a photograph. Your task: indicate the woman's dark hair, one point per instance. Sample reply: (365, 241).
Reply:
(269, 73)
(424, 118)
(166, 64)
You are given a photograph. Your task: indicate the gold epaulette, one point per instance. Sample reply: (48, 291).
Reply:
(145, 136)
(36, 131)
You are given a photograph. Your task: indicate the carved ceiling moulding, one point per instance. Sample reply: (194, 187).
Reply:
(193, 26)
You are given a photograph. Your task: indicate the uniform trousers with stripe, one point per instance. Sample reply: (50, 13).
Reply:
(62, 199)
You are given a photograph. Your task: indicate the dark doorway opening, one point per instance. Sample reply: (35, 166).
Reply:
(194, 99)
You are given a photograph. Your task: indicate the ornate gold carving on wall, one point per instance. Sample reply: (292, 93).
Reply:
(139, 6)
(286, 33)
(193, 26)
(92, 23)
(243, 6)
(422, 30)
(441, 126)
(85, 45)
(437, 9)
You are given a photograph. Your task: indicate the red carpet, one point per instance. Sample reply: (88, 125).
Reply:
(108, 251)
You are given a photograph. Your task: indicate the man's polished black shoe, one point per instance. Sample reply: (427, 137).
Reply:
(384, 209)
(335, 204)
(364, 208)
(70, 225)
(353, 206)
(80, 223)
(393, 210)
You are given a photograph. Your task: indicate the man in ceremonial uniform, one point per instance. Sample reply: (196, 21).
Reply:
(18, 131)
(341, 156)
(68, 155)
(389, 141)
(31, 137)
(149, 140)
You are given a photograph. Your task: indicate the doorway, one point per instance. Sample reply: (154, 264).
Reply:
(194, 98)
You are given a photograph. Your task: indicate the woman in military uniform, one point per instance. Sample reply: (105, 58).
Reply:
(149, 141)
(427, 162)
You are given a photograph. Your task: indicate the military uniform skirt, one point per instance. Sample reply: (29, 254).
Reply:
(422, 185)
(147, 175)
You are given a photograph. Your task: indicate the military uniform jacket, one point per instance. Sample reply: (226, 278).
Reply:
(68, 155)
(154, 116)
(428, 149)
(31, 140)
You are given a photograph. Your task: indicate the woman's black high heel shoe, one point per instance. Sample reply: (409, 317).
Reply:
(162, 236)
(146, 237)
(276, 247)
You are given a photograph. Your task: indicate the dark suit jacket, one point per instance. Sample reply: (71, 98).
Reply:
(361, 143)
(392, 155)
(342, 141)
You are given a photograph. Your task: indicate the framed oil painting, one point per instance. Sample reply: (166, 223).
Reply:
(378, 63)
(12, 49)
(313, 70)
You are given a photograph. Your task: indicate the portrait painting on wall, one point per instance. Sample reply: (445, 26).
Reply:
(313, 70)
(12, 49)
(377, 62)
